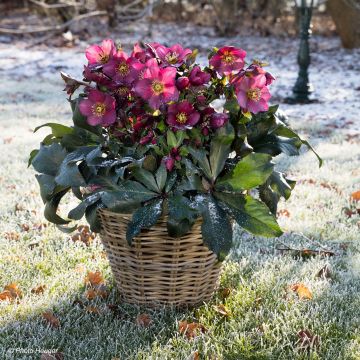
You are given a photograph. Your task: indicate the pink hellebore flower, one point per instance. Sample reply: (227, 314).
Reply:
(212, 120)
(170, 159)
(157, 85)
(252, 94)
(182, 115)
(101, 54)
(173, 56)
(121, 69)
(182, 82)
(198, 77)
(228, 59)
(99, 108)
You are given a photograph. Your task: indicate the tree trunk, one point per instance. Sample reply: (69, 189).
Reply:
(346, 15)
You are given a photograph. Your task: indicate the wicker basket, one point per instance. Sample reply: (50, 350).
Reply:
(157, 269)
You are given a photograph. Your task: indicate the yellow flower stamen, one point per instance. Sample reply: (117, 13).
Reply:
(157, 87)
(228, 57)
(99, 109)
(172, 58)
(254, 94)
(123, 68)
(104, 58)
(181, 118)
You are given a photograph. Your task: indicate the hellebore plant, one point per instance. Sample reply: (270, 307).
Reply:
(147, 139)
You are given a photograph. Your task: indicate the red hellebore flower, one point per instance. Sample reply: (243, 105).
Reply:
(158, 85)
(170, 159)
(228, 59)
(252, 94)
(182, 115)
(121, 69)
(212, 120)
(182, 82)
(99, 108)
(101, 54)
(173, 56)
(198, 77)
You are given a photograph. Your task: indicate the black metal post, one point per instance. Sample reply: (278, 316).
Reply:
(303, 87)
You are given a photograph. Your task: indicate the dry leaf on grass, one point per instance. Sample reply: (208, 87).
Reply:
(84, 234)
(12, 235)
(11, 292)
(194, 356)
(302, 291)
(99, 291)
(143, 320)
(225, 292)
(25, 227)
(52, 356)
(355, 196)
(222, 310)
(283, 212)
(94, 278)
(92, 310)
(307, 340)
(38, 290)
(191, 330)
(51, 319)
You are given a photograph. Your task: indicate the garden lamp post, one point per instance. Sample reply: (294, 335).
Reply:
(302, 88)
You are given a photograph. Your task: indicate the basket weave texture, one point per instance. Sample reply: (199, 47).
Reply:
(158, 270)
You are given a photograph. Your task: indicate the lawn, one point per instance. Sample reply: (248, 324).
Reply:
(267, 319)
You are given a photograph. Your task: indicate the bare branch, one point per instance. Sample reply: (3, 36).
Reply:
(58, 27)
(55, 6)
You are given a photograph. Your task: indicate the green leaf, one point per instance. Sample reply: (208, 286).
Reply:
(280, 184)
(200, 155)
(269, 197)
(171, 139)
(69, 175)
(171, 180)
(220, 148)
(58, 130)
(250, 214)
(216, 228)
(49, 159)
(251, 171)
(143, 218)
(92, 217)
(51, 207)
(180, 136)
(181, 215)
(232, 105)
(78, 212)
(66, 229)
(283, 130)
(126, 196)
(33, 153)
(275, 145)
(161, 176)
(47, 185)
(146, 178)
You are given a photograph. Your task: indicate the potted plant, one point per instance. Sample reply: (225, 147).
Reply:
(165, 156)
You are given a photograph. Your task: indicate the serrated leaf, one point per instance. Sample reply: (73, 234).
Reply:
(161, 176)
(200, 156)
(58, 130)
(49, 159)
(126, 196)
(78, 212)
(181, 215)
(216, 228)
(220, 148)
(143, 218)
(250, 214)
(146, 178)
(251, 171)
(51, 207)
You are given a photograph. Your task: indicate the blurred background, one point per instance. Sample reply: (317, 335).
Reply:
(66, 22)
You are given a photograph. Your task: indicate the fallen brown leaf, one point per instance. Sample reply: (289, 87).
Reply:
(52, 320)
(14, 290)
(5, 295)
(143, 320)
(12, 235)
(284, 212)
(38, 290)
(307, 340)
(25, 227)
(222, 310)
(355, 196)
(52, 356)
(302, 291)
(19, 207)
(225, 292)
(191, 330)
(194, 356)
(94, 278)
(92, 310)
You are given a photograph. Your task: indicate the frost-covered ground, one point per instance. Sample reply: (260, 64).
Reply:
(265, 318)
